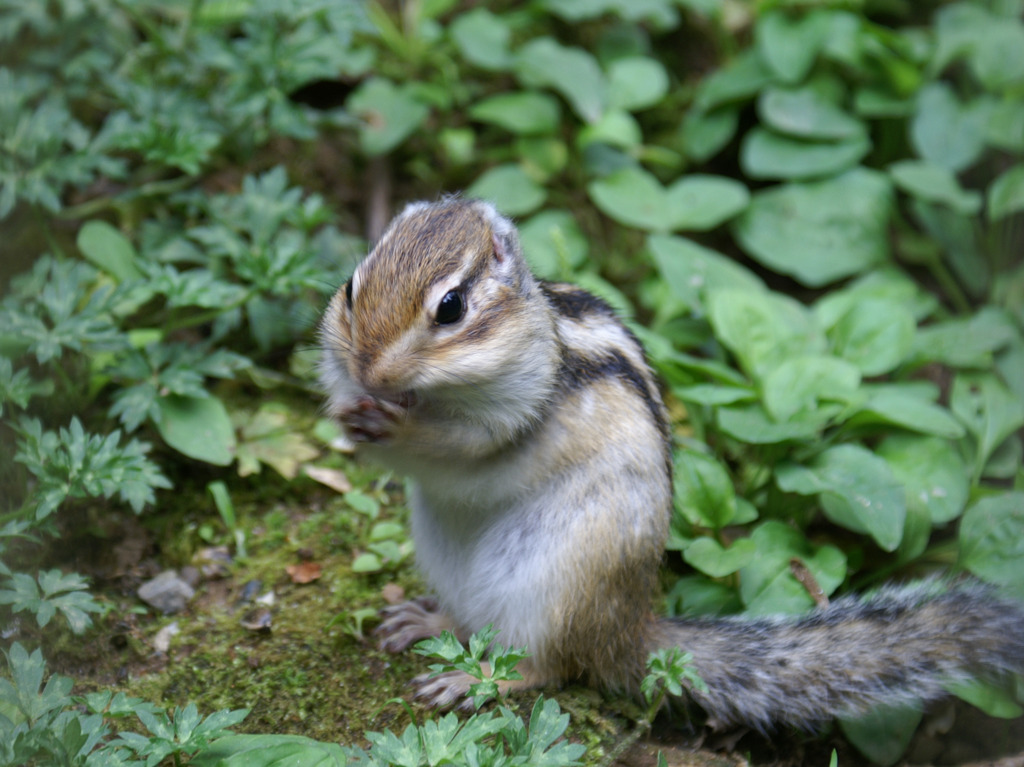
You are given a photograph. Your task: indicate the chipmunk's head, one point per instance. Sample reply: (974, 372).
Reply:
(442, 301)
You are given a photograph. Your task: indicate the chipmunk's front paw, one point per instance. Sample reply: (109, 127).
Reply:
(445, 691)
(409, 622)
(371, 419)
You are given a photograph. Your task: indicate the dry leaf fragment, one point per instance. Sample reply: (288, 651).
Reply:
(304, 572)
(393, 593)
(333, 478)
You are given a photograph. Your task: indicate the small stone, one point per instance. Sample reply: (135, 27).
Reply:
(167, 592)
(162, 638)
(257, 620)
(250, 590)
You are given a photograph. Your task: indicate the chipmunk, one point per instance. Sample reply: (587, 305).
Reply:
(539, 447)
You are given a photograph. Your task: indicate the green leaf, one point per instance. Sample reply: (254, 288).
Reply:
(510, 189)
(269, 751)
(553, 244)
(635, 83)
(767, 585)
(633, 197)
(367, 562)
(890, 405)
(615, 128)
(704, 134)
(874, 334)
(944, 131)
(808, 114)
(934, 184)
(965, 343)
(390, 114)
(691, 270)
(704, 493)
(883, 734)
(108, 249)
(523, 112)
(856, 488)
(1006, 193)
(482, 38)
(701, 202)
(765, 154)
(762, 329)
(799, 383)
(993, 700)
(572, 72)
(932, 473)
(751, 424)
(789, 228)
(711, 558)
(887, 284)
(789, 43)
(198, 427)
(742, 78)
(991, 545)
(988, 409)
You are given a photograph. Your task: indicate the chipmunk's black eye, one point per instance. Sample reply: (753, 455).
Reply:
(348, 293)
(451, 308)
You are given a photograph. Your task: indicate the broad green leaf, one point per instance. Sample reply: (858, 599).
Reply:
(911, 412)
(714, 394)
(886, 283)
(704, 134)
(991, 545)
(874, 334)
(762, 329)
(742, 78)
(572, 72)
(710, 557)
(553, 244)
(1006, 193)
(1005, 127)
(633, 197)
(367, 562)
(636, 82)
(269, 751)
(820, 232)
(698, 595)
(934, 184)
(856, 488)
(998, 60)
(753, 425)
(700, 202)
(510, 189)
(704, 493)
(482, 38)
(932, 473)
(614, 128)
(806, 113)
(390, 114)
(966, 343)
(108, 249)
(991, 698)
(946, 132)
(268, 436)
(691, 269)
(199, 427)
(765, 154)
(988, 409)
(767, 585)
(789, 43)
(957, 235)
(524, 112)
(799, 383)
(883, 734)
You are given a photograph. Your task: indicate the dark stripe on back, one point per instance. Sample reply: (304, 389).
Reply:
(578, 372)
(574, 303)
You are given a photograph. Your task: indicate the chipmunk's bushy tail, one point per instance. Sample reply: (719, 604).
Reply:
(901, 645)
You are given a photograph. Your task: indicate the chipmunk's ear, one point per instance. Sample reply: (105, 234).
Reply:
(503, 234)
